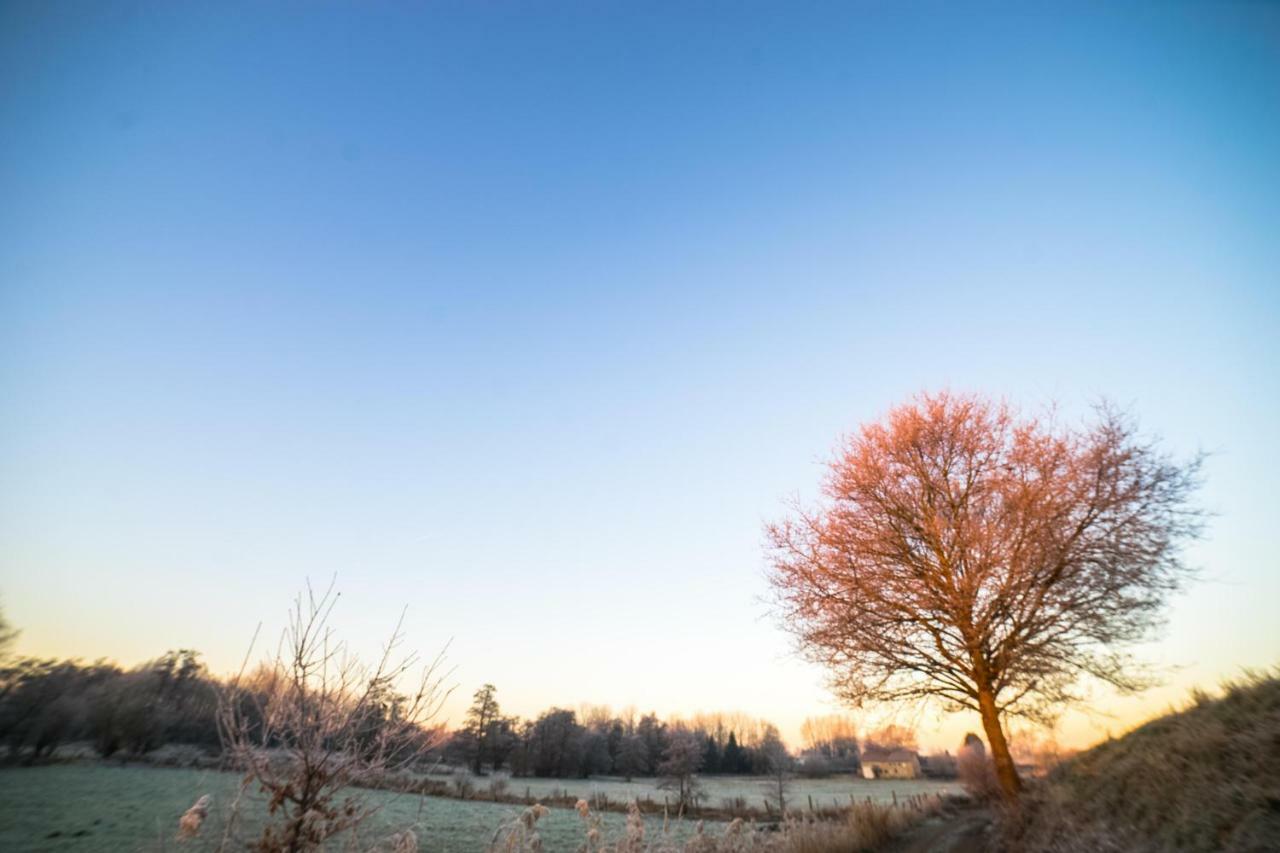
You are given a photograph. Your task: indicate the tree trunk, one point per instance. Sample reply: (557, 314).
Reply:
(1006, 772)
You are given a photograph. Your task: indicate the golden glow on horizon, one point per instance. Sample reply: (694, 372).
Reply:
(1109, 715)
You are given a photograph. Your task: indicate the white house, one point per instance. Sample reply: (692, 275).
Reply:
(890, 764)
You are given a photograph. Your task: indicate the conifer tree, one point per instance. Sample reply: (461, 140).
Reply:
(732, 760)
(711, 756)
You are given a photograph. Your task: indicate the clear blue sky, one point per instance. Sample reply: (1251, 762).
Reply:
(529, 315)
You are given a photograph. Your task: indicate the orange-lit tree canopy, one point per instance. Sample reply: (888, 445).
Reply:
(966, 554)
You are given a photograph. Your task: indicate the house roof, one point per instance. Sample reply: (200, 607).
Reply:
(888, 755)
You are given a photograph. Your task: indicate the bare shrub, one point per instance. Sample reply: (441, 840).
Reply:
(193, 818)
(404, 842)
(977, 773)
(520, 835)
(779, 763)
(464, 787)
(862, 826)
(633, 839)
(679, 767)
(866, 826)
(314, 723)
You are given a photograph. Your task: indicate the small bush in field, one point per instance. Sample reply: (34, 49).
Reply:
(863, 826)
(977, 773)
(463, 787)
(404, 842)
(815, 767)
(314, 726)
(192, 819)
(521, 834)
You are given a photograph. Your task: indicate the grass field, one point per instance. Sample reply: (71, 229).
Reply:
(91, 807)
(76, 807)
(834, 790)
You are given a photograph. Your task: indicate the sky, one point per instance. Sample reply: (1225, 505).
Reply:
(528, 317)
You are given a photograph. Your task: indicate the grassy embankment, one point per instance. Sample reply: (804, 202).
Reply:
(1205, 778)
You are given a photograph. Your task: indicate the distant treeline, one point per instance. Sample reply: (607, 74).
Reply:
(174, 700)
(560, 743)
(46, 703)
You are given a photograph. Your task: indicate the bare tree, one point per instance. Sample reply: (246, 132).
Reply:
(484, 712)
(965, 554)
(315, 723)
(892, 736)
(829, 745)
(778, 764)
(680, 765)
(829, 733)
(8, 637)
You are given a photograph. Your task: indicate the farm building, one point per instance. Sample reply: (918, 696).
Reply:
(890, 764)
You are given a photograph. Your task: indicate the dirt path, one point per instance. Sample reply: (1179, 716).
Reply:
(964, 831)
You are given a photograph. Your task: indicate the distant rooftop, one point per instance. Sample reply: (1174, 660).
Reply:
(887, 755)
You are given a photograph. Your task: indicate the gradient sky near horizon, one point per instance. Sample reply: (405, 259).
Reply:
(529, 316)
